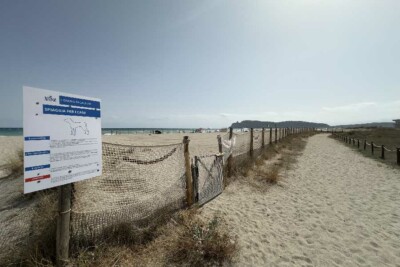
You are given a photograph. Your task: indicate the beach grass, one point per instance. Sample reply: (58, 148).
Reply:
(185, 239)
(15, 163)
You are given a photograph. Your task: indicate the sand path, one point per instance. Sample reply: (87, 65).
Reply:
(335, 208)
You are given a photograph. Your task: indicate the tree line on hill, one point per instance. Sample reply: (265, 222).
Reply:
(282, 124)
(306, 124)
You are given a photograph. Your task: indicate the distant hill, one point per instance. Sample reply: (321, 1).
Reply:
(368, 125)
(282, 124)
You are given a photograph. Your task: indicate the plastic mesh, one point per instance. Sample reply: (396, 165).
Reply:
(138, 185)
(242, 144)
(257, 139)
(210, 178)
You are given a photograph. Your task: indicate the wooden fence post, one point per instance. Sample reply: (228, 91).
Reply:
(398, 156)
(263, 138)
(189, 179)
(372, 147)
(383, 152)
(63, 224)
(195, 175)
(270, 135)
(276, 135)
(251, 141)
(219, 143)
(365, 144)
(230, 158)
(358, 143)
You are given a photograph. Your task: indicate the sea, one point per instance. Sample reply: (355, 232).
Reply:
(112, 131)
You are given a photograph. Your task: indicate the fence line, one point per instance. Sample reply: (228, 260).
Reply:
(141, 184)
(353, 141)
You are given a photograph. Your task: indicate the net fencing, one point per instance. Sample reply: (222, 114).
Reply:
(209, 177)
(257, 139)
(242, 144)
(227, 145)
(139, 185)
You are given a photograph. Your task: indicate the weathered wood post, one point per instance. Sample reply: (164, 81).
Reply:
(365, 144)
(195, 175)
(189, 179)
(372, 148)
(358, 143)
(251, 142)
(219, 143)
(263, 138)
(383, 152)
(63, 224)
(230, 158)
(276, 135)
(270, 135)
(398, 156)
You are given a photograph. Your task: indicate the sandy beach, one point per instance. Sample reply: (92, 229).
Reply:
(334, 208)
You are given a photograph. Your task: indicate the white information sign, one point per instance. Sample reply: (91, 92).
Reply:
(62, 138)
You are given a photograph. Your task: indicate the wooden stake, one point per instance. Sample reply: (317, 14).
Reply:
(219, 144)
(251, 142)
(383, 152)
(229, 165)
(276, 135)
(63, 224)
(372, 148)
(365, 144)
(270, 135)
(263, 138)
(398, 156)
(189, 179)
(195, 175)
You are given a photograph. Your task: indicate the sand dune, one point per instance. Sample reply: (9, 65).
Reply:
(335, 208)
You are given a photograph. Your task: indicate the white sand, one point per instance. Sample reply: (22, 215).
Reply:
(335, 208)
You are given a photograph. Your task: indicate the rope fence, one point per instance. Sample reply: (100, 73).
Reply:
(373, 147)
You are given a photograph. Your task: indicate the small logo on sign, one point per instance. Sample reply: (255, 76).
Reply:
(50, 98)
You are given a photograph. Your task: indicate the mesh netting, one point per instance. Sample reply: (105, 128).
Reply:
(273, 135)
(242, 144)
(257, 139)
(210, 178)
(227, 145)
(138, 185)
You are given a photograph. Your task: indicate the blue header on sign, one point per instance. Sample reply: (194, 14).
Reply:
(67, 111)
(33, 168)
(37, 153)
(36, 138)
(79, 102)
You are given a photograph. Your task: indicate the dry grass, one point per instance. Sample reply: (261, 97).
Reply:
(200, 243)
(267, 167)
(39, 249)
(15, 164)
(186, 240)
(270, 175)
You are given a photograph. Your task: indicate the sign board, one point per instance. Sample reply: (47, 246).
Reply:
(62, 138)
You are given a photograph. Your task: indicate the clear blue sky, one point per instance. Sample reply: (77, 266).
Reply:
(206, 63)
